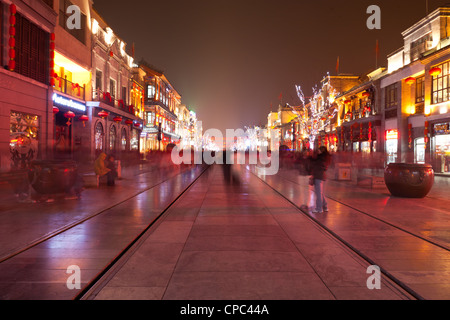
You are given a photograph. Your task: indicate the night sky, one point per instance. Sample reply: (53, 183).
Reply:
(230, 60)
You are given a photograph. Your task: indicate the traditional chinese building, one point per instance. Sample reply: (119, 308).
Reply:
(161, 102)
(70, 80)
(26, 126)
(416, 94)
(116, 107)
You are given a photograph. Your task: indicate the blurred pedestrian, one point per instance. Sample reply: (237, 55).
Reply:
(112, 174)
(319, 167)
(100, 168)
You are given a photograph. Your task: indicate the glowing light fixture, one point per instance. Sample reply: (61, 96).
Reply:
(410, 80)
(435, 71)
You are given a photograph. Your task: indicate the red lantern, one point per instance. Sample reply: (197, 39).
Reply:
(69, 115)
(111, 54)
(83, 118)
(425, 133)
(410, 80)
(12, 40)
(117, 119)
(137, 124)
(11, 65)
(128, 121)
(103, 114)
(435, 71)
(366, 94)
(348, 101)
(55, 110)
(409, 135)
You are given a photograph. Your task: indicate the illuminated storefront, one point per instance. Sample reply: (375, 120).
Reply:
(68, 113)
(441, 142)
(391, 145)
(24, 138)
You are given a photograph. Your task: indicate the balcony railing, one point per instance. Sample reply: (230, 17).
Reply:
(70, 88)
(110, 100)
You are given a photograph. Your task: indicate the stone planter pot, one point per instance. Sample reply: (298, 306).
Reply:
(52, 176)
(409, 180)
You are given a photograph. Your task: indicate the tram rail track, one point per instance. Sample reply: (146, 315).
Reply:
(12, 253)
(407, 288)
(120, 250)
(85, 292)
(436, 243)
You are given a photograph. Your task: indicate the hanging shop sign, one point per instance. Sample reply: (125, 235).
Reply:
(442, 128)
(391, 134)
(69, 103)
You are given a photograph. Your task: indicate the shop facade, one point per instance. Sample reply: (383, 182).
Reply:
(25, 97)
(160, 120)
(116, 107)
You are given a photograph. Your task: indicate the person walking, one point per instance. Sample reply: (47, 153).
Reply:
(319, 168)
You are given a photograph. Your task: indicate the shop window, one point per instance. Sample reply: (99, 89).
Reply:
(391, 145)
(112, 138)
(24, 137)
(99, 137)
(419, 150)
(32, 50)
(124, 95)
(98, 80)
(134, 141)
(151, 91)
(112, 88)
(420, 89)
(124, 140)
(391, 96)
(440, 84)
(443, 152)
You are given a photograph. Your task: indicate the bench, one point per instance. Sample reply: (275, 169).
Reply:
(92, 180)
(370, 181)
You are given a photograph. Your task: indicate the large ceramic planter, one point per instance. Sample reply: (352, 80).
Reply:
(52, 176)
(409, 180)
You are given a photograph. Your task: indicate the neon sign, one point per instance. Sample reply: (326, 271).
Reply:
(65, 102)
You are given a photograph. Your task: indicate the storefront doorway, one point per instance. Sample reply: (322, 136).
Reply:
(442, 153)
(391, 146)
(63, 137)
(419, 150)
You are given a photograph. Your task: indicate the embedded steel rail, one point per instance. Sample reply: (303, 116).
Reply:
(386, 273)
(85, 292)
(73, 224)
